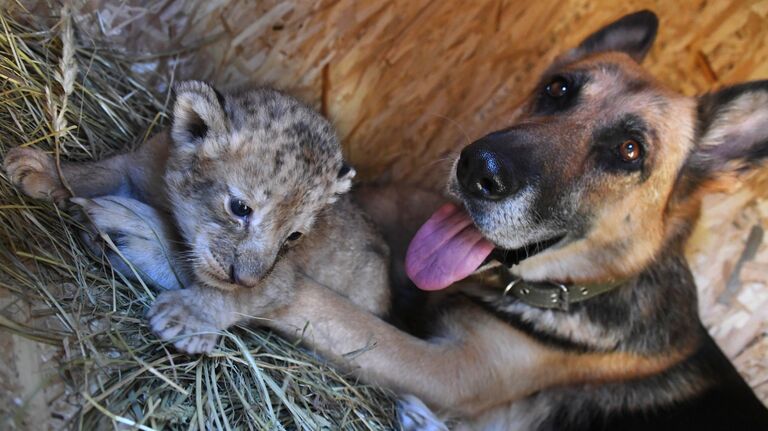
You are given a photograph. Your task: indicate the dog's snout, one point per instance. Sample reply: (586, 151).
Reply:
(485, 174)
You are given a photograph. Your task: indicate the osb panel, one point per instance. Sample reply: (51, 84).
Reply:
(409, 82)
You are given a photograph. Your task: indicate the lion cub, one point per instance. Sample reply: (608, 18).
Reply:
(245, 192)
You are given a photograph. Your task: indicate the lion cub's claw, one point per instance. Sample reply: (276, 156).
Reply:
(174, 318)
(34, 172)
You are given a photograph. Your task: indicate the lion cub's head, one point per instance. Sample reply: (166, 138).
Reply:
(247, 175)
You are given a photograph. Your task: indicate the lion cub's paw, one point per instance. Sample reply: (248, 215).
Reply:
(178, 317)
(34, 172)
(138, 231)
(414, 415)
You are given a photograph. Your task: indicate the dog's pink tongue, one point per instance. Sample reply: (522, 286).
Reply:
(447, 248)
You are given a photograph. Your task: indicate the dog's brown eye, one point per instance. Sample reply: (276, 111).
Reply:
(630, 150)
(557, 88)
(294, 236)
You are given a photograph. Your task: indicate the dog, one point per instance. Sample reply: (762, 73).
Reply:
(577, 309)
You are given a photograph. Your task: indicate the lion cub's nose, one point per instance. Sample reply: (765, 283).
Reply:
(484, 174)
(233, 275)
(241, 276)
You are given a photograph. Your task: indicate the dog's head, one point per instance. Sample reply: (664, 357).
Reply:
(602, 164)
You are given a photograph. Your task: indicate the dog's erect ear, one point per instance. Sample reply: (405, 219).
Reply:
(731, 140)
(198, 109)
(732, 135)
(632, 34)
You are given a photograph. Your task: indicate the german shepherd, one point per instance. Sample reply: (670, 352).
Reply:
(587, 199)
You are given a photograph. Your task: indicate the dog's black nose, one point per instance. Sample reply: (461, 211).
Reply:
(485, 173)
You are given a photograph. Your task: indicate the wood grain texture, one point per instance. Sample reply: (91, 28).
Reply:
(407, 82)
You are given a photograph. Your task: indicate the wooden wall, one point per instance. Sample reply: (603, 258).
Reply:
(408, 81)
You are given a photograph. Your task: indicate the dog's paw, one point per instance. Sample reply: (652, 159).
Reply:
(139, 233)
(414, 415)
(179, 318)
(34, 172)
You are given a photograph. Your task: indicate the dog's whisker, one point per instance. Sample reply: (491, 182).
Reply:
(456, 124)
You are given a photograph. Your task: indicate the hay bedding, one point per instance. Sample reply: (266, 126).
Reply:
(75, 350)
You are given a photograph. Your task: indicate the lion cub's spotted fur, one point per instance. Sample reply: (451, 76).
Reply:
(261, 147)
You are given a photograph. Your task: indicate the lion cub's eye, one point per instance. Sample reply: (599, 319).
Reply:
(630, 150)
(239, 208)
(294, 236)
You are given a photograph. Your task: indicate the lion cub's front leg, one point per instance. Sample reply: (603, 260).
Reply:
(193, 318)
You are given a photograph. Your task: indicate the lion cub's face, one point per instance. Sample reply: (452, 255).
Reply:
(247, 176)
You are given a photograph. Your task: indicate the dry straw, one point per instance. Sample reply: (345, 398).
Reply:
(105, 369)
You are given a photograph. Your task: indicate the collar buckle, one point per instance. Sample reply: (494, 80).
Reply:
(549, 294)
(563, 297)
(511, 285)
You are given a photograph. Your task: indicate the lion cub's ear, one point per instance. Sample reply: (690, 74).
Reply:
(198, 110)
(344, 179)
